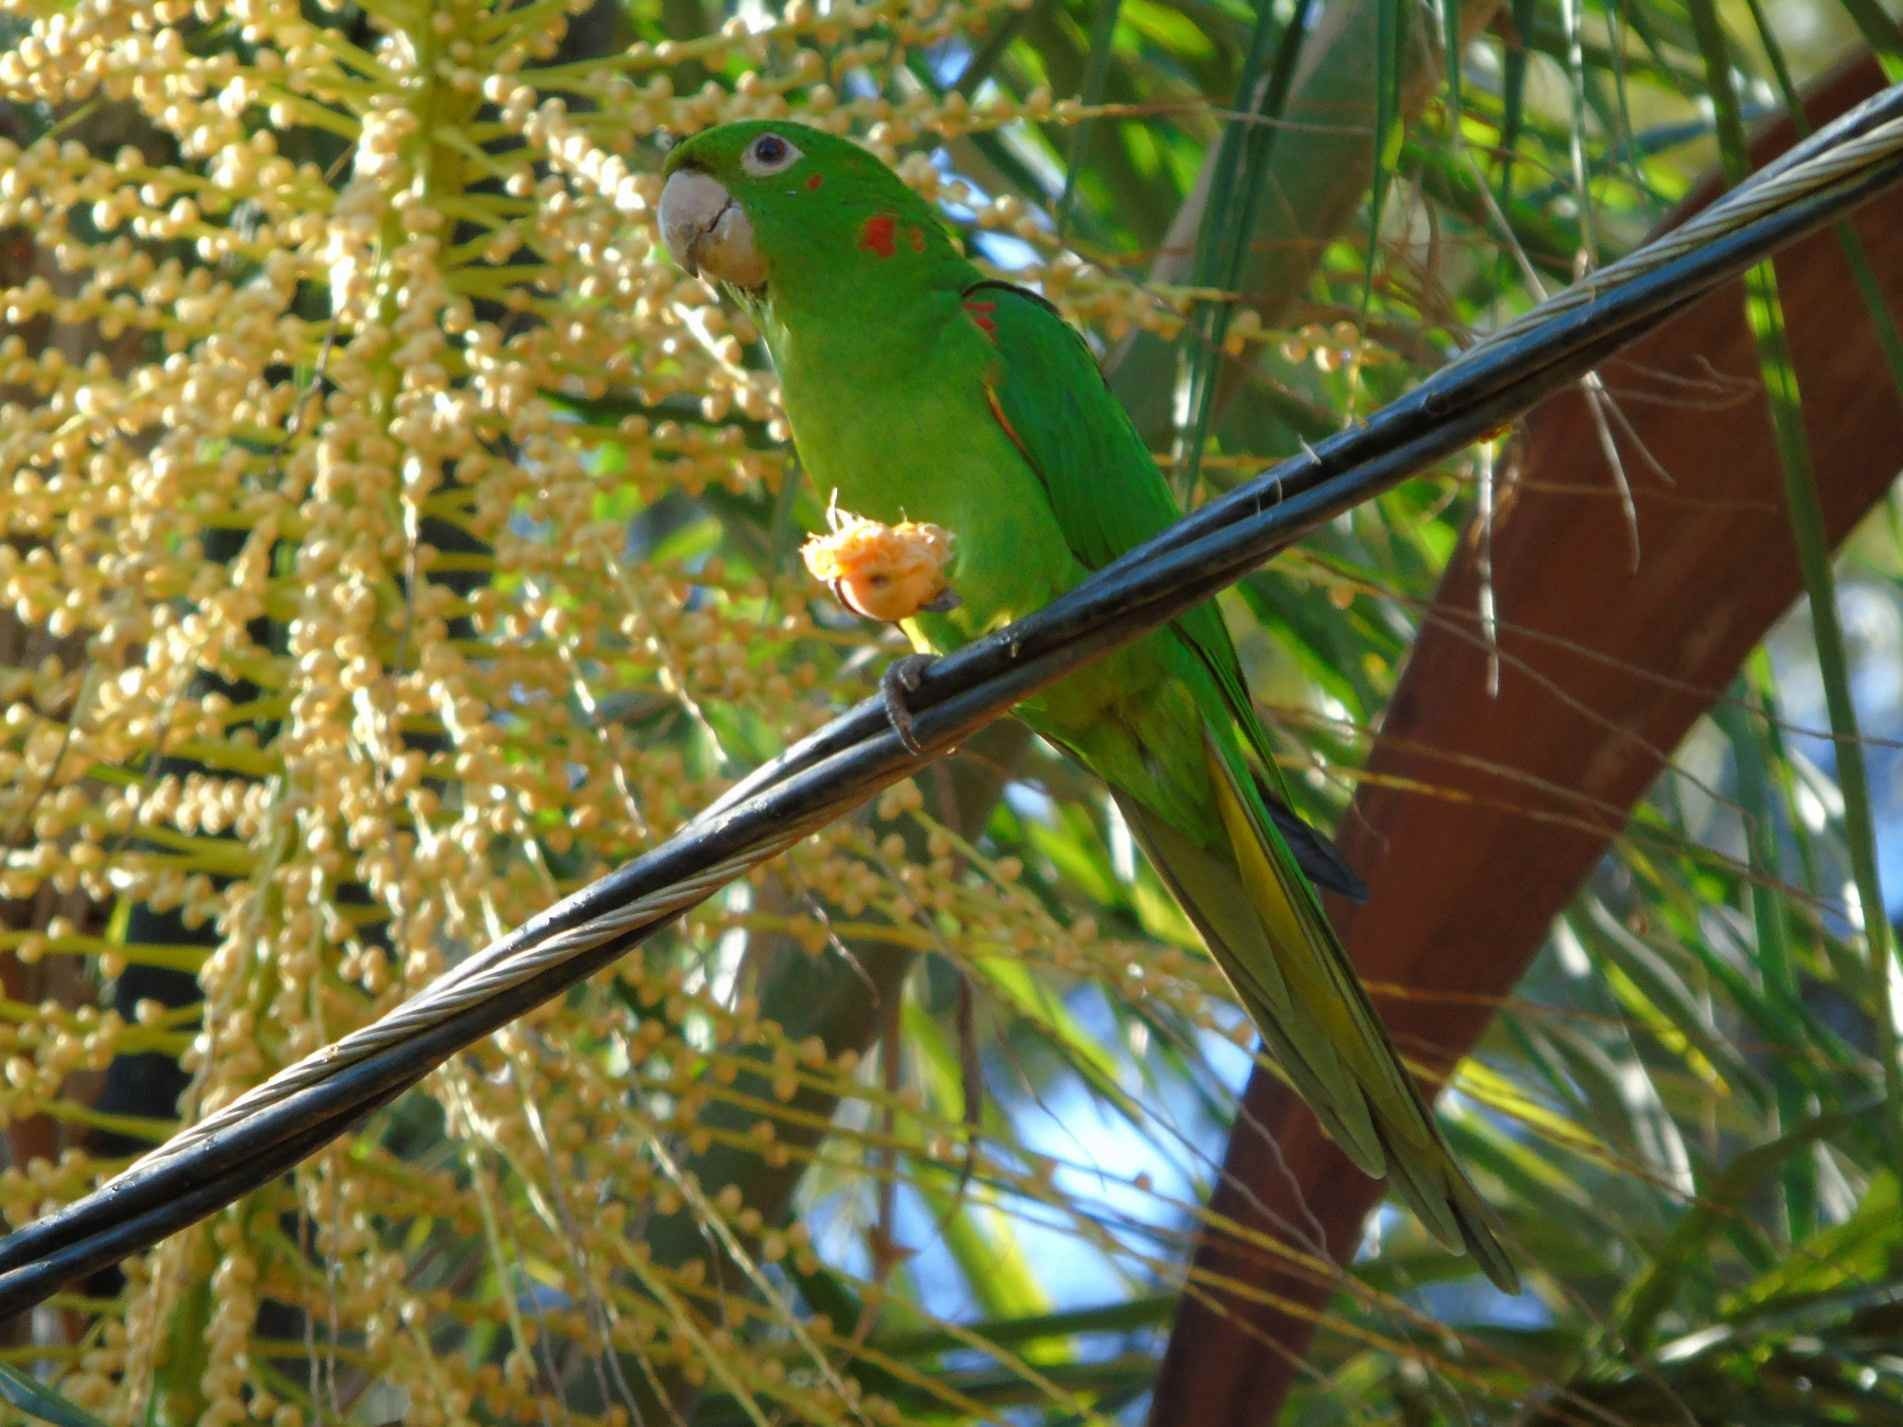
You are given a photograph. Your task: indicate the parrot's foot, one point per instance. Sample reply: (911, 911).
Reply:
(902, 677)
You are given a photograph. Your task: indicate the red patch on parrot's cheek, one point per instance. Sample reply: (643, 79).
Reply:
(875, 235)
(980, 312)
(815, 181)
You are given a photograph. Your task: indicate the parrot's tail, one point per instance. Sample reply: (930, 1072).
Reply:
(1267, 931)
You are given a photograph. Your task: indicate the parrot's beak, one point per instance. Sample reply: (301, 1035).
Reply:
(707, 232)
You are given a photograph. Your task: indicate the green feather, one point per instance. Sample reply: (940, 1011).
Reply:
(918, 389)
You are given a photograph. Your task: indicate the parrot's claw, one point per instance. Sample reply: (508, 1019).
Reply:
(902, 677)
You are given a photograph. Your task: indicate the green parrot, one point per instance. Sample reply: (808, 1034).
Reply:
(918, 388)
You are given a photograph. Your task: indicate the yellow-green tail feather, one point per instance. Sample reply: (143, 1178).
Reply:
(1267, 931)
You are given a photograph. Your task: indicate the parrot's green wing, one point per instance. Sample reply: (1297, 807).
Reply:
(1242, 883)
(1050, 397)
(1107, 492)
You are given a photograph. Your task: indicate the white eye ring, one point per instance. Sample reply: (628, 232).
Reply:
(769, 153)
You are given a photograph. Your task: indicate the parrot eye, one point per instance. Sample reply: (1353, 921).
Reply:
(768, 154)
